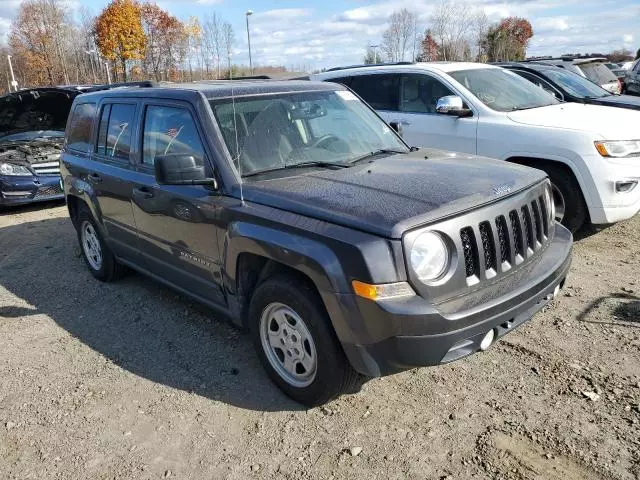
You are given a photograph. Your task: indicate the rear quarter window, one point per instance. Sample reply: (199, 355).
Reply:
(81, 127)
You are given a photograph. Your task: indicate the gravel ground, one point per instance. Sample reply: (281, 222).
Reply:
(130, 380)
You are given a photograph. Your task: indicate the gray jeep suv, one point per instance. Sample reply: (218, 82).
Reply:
(293, 209)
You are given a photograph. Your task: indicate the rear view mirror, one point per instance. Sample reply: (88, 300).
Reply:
(180, 169)
(452, 105)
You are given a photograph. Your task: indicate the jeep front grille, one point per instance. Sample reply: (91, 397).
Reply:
(513, 241)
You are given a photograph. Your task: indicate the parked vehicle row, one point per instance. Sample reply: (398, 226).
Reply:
(589, 151)
(593, 68)
(353, 240)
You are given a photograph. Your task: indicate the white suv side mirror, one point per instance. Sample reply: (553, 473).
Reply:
(452, 105)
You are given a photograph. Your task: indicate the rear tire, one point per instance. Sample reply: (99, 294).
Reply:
(97, 255)
(571, 209)
(296, 343)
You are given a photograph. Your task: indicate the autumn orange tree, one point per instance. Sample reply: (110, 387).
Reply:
(509, 39)
(119, 33)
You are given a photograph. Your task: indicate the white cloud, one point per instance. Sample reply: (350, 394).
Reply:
(628, 38)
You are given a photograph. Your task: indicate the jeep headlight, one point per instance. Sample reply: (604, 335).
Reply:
(618, 148)
(13, 170)
(429, 256)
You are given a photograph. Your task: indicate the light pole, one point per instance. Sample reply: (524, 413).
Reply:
(248, 14)
(14, 84)
(375, 52)
(106, 64)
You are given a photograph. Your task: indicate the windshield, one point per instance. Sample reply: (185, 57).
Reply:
(503, 90)
(598, 73)
(265, 133)
(575, 84)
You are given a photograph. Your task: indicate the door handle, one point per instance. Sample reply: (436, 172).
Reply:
(94, 177)
(143, 192)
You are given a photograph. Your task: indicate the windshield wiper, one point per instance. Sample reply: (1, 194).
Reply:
(298, 165)
(380, 151)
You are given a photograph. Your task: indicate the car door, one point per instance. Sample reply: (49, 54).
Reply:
(422, 125)
(177, 227)
(106, 168)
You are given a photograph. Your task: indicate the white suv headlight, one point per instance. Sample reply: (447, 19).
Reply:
(11, 169)
(618, 148)
(429, 256)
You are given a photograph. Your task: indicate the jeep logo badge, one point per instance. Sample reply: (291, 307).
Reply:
(502, 189)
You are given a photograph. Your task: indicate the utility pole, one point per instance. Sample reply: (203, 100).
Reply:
(248, 14)
(14, 84)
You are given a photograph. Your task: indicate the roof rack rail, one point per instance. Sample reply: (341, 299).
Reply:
(334, 69)
(108, 86)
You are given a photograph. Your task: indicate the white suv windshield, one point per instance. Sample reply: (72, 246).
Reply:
(274, 132)
(575, 84)
(502, 90)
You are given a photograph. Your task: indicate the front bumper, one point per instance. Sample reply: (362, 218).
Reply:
(397, 335)
(29, 189)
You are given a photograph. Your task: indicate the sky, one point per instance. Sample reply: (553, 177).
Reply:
(312, 35)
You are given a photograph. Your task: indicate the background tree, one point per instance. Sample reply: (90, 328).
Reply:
(638, 54)
(429, 48)
(119, 33)
(38, 35)
(162, 32)
(212, 40)
(400, 35)
(452, 27)
(193, 31)
(508, 40)
(228, 40)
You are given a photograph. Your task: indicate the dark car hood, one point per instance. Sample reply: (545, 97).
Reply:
(624, 101)
(394, 194)
(35, 110)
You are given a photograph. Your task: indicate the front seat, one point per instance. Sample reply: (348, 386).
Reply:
(267, 143)
(411, 101)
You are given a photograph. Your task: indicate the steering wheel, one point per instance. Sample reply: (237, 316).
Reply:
(328, 139)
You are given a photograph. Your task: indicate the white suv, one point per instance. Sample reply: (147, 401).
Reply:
(591, 153)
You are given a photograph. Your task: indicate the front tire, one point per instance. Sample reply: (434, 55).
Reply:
(97, 255)
(296, 343)
(571, 209)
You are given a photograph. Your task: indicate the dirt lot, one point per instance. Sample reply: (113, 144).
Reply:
(130, 380)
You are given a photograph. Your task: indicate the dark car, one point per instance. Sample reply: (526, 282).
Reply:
(592, 68)
(32, 126)
(632, 79)
(294, 210)
(570, 87)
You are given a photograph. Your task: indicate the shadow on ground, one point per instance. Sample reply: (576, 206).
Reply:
(139, 325)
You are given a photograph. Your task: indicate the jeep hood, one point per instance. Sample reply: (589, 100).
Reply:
(609, 123)
(393, 194)
(35, 113)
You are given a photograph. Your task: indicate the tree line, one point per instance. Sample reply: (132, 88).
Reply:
(453, 32)
(129, 40)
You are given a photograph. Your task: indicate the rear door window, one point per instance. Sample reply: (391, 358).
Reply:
(382, 91)
(81, 127)
(114, 132)
(170, 130)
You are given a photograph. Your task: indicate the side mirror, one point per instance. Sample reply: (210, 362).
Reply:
(180, 169)
(452, 105)
(397, 126)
